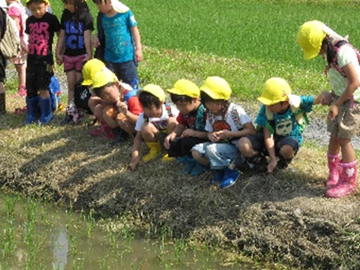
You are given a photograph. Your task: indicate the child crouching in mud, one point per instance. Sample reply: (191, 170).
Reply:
(281, 121)
(225, 123)
(124, 108)
(155, 122)
(191, 125)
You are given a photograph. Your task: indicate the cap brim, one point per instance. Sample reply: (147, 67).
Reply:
(310, 54)
(86, 82)
(266, 101)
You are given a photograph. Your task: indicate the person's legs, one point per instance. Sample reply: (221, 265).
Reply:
(43, 81)
(127, 72)
(286, 148)
(21, 71)
(2, 87)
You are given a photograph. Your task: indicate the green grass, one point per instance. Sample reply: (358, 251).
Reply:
(256, 39)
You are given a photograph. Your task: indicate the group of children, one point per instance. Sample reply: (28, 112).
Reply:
(201, 128)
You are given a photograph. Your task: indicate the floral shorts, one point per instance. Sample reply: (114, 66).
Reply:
(347, 123)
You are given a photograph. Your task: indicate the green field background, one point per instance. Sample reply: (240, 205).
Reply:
(258, 34)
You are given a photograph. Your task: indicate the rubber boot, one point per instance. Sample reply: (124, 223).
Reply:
(230, 177)
(189, 164)
(32, 105)
(166, 158)
(334, 170)
(218, 176)
(104, 128)
(197, 169)
(155, 149)
(121, 135)
(46, 111)
(347, 181)
(2, 104)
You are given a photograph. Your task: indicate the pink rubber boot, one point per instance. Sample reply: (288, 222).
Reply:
(104, 128)
(347, 181)
(334, 170)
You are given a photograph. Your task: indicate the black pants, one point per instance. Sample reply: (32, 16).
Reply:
(181, 146)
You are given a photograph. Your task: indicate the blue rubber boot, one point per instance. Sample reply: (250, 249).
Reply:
(189, 165)
(197, 169)
(32, 105)
(183, 159)
(219, 175)
(46, 111)
(229, 178)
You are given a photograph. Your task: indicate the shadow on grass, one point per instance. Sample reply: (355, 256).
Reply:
(279, 216)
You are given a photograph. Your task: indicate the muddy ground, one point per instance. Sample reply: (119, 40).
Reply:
(281, 217)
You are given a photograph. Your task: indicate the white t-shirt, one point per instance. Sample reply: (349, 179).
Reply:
(159, 122)
(233, 120)
(346, 55)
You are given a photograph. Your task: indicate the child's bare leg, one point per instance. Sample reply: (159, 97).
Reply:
(96, 105)
(149, 132)
(347, 151)
(125, 124)
(21, 71)
(44, 93)
(246, 148)
(286, 152)
(334, 146)
(71, 79)
(172, 123)
(109, 116)
(196, 155)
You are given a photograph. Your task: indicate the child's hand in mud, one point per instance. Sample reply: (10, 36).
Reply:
(135, 159)
(271, 166)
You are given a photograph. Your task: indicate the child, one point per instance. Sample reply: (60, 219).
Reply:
(124, 108)
(96, 104)
(120, 39)
(156, 120)
(191, 125)
(74, 47)
(281, 119)
(40, 27)
(315, 38)
(225, 123)
(17, 12)
(48, 9)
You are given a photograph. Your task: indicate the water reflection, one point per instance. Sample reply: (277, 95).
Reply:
(60, 244)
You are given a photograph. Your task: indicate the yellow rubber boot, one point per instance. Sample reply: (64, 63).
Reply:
(166, 158)
(155, 149)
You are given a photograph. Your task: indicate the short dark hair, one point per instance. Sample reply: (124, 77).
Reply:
(98, 90)
(223, 102)
(180, 98)
(100, 1)
(148, 100)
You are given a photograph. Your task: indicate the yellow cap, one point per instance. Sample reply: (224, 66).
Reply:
(102, 78)
(186, 88)
(154, 90)
(310, 37)
(91, 67)
(216, 88)
(28, 1)
(275, 90)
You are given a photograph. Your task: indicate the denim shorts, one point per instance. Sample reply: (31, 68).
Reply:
(126, 72)
(258, 143)
(220, 155)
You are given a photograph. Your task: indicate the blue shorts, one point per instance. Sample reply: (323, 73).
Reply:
(258, 143)
(126, 72)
